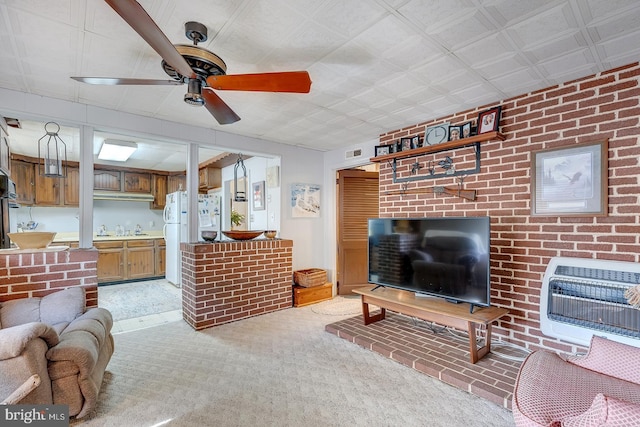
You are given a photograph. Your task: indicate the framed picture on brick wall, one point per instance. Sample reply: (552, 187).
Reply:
(570, 181)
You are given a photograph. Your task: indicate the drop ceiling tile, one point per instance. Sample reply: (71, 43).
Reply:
(348, 18)
(597, 10)
(435, 15)
(412, 52)
(470, 28)
(485, 50)
(508, 12)
(384, 35)
(579, 59)
(517, 82)
(558, 47)
(615, 27)
(548, 25)
(622, 50)
(501, 65)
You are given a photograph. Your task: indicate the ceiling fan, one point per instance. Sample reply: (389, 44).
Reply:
(200, 69)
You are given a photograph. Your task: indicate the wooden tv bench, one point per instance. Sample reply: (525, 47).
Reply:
(432, 309)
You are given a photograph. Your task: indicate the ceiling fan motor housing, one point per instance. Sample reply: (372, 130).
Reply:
(194, 93)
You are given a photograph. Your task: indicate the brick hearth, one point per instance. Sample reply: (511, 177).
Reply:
(442, 355)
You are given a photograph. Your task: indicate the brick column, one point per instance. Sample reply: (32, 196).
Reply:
(232, 280)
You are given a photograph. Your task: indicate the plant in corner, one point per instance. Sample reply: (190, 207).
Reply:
(236, 218)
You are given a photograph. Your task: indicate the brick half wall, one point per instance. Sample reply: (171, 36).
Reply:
(36, 273)
(227, 281)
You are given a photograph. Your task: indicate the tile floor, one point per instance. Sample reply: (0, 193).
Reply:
(438, 352)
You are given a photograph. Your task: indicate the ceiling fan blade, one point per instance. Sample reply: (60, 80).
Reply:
(287, 81)
(218, 109)
(141, 22)
(124, 81)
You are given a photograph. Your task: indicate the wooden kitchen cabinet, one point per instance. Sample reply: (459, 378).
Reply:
(161, 257)
(140, 259)
(137, 182)
(111, 261)
(72, 187)
(209, 177)
(159, 191)
(176, 183)
(106, 180)
(47, 190)
(23, 174)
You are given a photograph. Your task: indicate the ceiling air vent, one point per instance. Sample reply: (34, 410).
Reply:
(353, 153)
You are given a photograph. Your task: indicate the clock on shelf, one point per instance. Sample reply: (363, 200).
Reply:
(436, 134)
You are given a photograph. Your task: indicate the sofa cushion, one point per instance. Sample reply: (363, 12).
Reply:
(606, 412)
(611, 358)
(549, 389)
(59, 307)
(20, 311)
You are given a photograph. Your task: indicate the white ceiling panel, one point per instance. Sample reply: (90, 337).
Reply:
(375, 65)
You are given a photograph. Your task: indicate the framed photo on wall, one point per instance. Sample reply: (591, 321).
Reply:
(257, 191)
(455, 133)
(488, 120)
(405, 144)
(570, 181)
(467, 130)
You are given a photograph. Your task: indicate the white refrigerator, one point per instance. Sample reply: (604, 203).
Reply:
(176, 231)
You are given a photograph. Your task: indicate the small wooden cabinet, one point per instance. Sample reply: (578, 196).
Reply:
(159, 191)
(47, 190)
(23, 174)
(140, 259)
(137, 182)
(111, 261)
(161, 257)
(176, 183)
(106, 180)
(209, 177)
(71, 187)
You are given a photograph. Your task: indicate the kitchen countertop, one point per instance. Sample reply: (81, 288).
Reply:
(73, 237)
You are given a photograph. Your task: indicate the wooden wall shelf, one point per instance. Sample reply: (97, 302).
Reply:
(450, 145)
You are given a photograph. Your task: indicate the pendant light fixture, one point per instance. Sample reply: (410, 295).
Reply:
(52, 152)
(240, 194)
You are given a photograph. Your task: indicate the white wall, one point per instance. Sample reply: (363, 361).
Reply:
(297, 164)
(334, 161)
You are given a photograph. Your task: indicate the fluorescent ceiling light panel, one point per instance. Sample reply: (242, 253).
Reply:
(117, 151)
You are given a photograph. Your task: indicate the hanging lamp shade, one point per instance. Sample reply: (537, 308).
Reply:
(52, 152)
(240, 194)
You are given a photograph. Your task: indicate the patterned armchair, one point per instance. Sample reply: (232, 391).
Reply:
(601, 388)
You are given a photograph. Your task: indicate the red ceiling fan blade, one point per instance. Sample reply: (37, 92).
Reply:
(124, 81)
(141, 22)
(218, 109)
(287, 81)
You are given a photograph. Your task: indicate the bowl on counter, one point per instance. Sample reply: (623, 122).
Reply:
(270, 234)
(209, 235)
(242, 234)
(32, 239)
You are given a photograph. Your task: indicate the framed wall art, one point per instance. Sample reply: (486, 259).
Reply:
(570, 181)
(257, 190)
(455, 133)
(405, 144)
(488, 120)
(305, 200)
(416, 141)
(467, 130)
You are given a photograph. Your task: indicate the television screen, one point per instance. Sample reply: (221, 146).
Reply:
(444, 257)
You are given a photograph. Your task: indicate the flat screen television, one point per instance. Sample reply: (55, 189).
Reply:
(445, 257)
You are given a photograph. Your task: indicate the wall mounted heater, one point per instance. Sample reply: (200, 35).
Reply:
(581, 297)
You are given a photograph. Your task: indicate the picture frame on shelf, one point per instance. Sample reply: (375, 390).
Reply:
(488, 120)
(382, 150)
(467, 130)
(570, 180)
(416, 142)
(436, 134)
(455, 132)
(405, 144)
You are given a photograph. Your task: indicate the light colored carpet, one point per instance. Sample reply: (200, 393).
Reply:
(278, 369)
(137, 299)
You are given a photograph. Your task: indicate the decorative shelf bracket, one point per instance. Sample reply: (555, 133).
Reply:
(431, 171)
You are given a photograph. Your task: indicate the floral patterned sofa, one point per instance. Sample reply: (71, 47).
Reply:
(601, 388)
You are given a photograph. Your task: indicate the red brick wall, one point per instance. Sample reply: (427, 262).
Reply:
(227, 281)
(26, 274)
(604, 106)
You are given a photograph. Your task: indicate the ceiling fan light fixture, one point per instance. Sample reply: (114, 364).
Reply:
(194, 93)
(117, 151)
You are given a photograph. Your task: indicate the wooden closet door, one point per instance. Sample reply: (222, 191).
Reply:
(358, 195)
